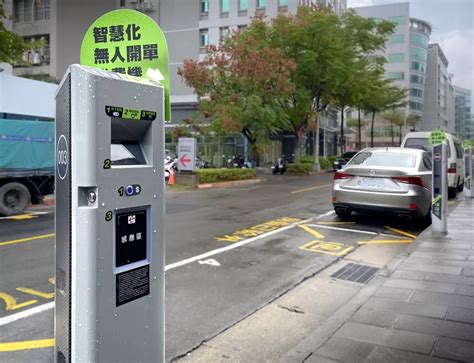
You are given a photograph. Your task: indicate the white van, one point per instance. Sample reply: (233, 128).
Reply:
(419, 140)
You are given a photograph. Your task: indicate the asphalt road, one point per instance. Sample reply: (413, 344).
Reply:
(266, 239)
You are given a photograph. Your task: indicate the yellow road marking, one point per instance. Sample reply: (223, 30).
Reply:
(10, 302)
(44, 295)
(311, 231)
(312, 188)
(335, 222)
(21, 240)
(23, 216)
(27, 344)
(400, 232)
(52, 280)
(328, 248)
(385, 241)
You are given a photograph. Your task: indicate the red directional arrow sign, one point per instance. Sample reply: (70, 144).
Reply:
(183, 160)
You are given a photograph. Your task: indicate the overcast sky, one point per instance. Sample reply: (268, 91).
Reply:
(453, 29)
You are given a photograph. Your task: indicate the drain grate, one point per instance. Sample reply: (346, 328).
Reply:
(355, 273)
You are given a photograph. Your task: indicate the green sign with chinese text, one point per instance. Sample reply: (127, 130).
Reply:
(128, 42)
(437, 137)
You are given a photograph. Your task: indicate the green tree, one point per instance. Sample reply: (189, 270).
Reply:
(412, 120)
(242, 86)
(395, 117)
(12, 46)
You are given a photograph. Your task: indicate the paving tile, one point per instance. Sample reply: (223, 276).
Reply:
(429, 249)
(345, 350)
(380, 318)
(437, 327)
(452, 249)
(431, 268)
(435, 244)
(316, 359)
(407, 307)
(464, 290)
(415, 342)
(459, 350)
(392, 355)
(420, 285)
(461, 314)
(409, 275)
(446, 256)
(470, 258)
(454, 279)
(443, 299)
(394, 293)
(468, 271)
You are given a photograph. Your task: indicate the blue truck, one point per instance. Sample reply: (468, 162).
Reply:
(26, 163)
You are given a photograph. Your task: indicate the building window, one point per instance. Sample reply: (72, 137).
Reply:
(416, 106)
(243, 5)
(223, 33)
(37, 56)
(261, 4)
(397, 39)
(397, 19)
(396, 57)
(42, 8)
(242, 28)
(419, 53)
(419, 39)
(204, 7)
(415, 92)
(282, 2)
(203, 38)
(23, 10)
(224, 6)
(417, 79)
(396, 75)
(417, 66)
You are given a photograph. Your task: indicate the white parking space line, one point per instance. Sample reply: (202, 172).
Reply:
(343, 229)
(39, 309)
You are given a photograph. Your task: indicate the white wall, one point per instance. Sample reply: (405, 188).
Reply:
(26, 97)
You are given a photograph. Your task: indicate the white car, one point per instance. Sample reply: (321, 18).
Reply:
(419, 140)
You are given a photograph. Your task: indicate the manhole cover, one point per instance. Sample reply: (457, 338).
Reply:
(355, 273)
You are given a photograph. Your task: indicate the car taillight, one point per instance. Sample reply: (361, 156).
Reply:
(341, 175)
(415, 180)
(452, 168)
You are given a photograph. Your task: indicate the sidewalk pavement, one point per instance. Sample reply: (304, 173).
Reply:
(419, 307)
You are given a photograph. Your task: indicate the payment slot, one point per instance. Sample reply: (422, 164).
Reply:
(109, 218)
(439, 201)
(467, 147)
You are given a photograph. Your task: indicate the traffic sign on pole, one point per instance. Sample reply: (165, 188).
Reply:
(186, 153)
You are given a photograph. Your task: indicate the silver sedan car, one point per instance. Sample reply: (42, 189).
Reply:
(392, 180)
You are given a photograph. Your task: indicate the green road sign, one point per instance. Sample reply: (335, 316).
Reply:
(129, 42)
(437, 137)
(466, 144)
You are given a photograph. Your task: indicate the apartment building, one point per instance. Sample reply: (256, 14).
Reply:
(438, 100)
(462, 113)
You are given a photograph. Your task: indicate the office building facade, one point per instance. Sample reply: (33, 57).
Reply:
(462, 113)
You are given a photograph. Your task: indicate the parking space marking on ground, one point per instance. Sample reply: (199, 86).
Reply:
(27, 344)
(331, 222)
(28, 239)
(44, 295)
(328, 248)
(385, 241)
(11, 304)
(344, 229)
(259, 229)
(22, 217)
(312, 188)
(26, 313)
(311, 231)
(403, 233)
(52, 280)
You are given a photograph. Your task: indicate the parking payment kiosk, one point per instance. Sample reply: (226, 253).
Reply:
(439, 201)
(109, 218)
(467, 147)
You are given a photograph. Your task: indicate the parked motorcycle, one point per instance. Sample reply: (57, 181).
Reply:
(280, 166)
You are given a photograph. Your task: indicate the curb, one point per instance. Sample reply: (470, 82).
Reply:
(229, 184)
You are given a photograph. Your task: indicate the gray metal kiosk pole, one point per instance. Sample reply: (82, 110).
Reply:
(439, 190)
(468, 193)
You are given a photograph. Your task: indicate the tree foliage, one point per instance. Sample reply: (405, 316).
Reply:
(242, 85)
(12, 46)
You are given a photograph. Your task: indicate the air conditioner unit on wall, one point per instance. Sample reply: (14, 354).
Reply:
(147, 5)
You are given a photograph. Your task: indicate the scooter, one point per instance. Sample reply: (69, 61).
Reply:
(280, 166)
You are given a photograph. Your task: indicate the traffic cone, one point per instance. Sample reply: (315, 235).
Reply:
(171, 178)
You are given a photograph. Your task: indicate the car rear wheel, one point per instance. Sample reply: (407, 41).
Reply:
(343, 213)
(452, 192)
(460, 187)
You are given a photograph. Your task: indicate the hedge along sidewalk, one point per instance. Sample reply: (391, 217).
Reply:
(209, 178)
(300, 168)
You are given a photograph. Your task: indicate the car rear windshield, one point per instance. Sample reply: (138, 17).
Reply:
(422, 144)
(388, 158)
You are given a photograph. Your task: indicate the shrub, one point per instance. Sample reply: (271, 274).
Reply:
(223, 175)
(307, 160)
(333, 159)
(324, 163)
(300, 168)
